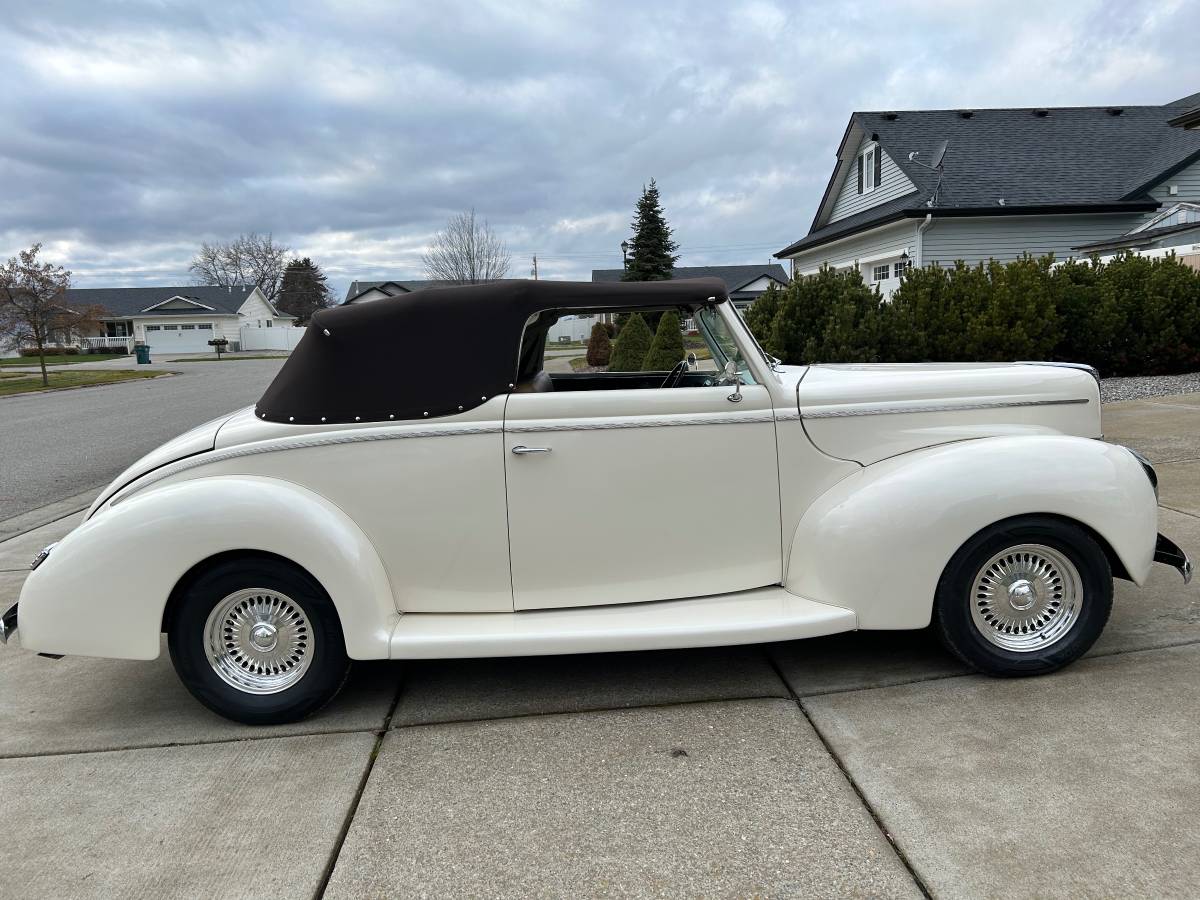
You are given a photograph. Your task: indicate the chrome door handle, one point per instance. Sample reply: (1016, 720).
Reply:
(521, 451)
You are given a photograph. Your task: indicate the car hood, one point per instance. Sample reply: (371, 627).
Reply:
(200, 439)
(866, 413)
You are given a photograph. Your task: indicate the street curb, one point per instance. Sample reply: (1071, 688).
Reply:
(27, 521)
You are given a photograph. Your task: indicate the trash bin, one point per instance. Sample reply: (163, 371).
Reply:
(142, 351)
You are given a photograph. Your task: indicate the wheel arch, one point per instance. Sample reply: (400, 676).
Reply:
(160, 538)
(879, 541)
(191, 575)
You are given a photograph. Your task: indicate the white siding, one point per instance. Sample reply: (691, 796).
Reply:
(1004, 238)
(893, 183)
(1188, 182)
(255, 309)
(878, 243)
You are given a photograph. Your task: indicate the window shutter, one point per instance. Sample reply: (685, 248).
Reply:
(860, 174)
(878, 166)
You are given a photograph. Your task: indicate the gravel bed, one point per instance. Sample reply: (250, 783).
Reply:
(1115, 389)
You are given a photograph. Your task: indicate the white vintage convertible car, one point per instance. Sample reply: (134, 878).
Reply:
(426, 477)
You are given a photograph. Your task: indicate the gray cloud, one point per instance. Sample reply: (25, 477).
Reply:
(134, 130)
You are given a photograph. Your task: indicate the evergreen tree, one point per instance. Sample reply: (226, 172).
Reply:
(632, 344)
(651, 252)
(599, 348)
(303, 290)
(667, 348)
(761, 314)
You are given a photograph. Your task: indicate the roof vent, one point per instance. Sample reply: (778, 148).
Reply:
(966, 113)
(1041, 113)
(1115, 110)
(891, 116)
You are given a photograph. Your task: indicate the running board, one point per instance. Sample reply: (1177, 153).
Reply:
(747, 617)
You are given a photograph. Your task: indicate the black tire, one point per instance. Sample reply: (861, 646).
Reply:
(326, 668)
(962, 630)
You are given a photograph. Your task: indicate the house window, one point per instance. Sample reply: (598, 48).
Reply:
(170, 328)
(187, 327)
(880, 273)
(268, 323)
(870, 169)
(901, 267)
(205, 327)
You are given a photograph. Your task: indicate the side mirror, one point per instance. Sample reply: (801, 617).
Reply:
(691, 360)
(731, 370)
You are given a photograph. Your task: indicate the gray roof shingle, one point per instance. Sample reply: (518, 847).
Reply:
(1070, 157)
(133, 301)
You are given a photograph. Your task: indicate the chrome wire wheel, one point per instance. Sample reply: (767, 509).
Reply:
(1026, 597)
(259, 641)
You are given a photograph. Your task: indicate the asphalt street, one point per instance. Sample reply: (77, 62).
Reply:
(60, 443)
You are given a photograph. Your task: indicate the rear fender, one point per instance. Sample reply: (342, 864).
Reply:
(103, 589)
(878, 541)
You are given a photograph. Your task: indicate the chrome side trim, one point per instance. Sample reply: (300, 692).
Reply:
(896, 408)
(788, 417)
(280, 445)
(1082, 367)
(746, 418)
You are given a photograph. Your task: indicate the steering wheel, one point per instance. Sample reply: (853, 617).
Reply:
(675, 375)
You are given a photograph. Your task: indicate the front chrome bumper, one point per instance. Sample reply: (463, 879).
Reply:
(1166, 551)
(8, 624)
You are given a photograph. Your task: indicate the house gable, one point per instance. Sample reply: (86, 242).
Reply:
(178, 302)
(1179, 187)
(256, 306)
(851, 199)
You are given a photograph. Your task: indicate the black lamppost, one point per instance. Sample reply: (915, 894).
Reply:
(625, 254)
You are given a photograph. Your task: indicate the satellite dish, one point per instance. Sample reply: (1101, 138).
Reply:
(938, 153)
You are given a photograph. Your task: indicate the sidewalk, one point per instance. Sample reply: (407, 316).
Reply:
(862, 764)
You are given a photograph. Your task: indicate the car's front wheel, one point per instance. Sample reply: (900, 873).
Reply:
(1024, 597)
(258, 641)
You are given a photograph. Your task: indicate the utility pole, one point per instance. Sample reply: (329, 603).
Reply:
(533, 271)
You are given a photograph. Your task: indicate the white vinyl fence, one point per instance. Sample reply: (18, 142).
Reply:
(254, 337)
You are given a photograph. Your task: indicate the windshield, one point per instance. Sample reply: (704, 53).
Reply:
(716, 334)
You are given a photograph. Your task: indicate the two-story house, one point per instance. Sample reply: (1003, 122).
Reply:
(936, 186)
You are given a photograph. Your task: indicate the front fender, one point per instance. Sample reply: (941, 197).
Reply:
(103, 589)
(878, 541)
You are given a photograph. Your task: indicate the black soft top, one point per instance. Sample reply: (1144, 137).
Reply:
(440, 351)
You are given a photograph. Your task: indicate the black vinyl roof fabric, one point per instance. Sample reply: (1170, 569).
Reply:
(441, 351)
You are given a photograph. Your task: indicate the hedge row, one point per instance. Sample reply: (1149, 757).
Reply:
(1132, 316)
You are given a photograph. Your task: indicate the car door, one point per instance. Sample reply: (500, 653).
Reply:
(632, 495)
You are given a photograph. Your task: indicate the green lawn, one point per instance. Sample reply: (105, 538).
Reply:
(29, 382)
(226, 358)
(58, 359)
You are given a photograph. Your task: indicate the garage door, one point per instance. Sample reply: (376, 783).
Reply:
(180, 338)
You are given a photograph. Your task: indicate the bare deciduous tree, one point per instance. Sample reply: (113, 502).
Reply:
(466, 251)
(34, 308)
(250, 259)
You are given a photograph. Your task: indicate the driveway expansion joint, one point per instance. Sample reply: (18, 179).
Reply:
(837, 760)
(340, 842)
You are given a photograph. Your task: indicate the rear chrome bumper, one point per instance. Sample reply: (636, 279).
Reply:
(1166, 551)
(8, 624)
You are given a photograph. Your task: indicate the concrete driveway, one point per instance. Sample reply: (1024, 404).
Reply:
(60, 444)
(859, 765)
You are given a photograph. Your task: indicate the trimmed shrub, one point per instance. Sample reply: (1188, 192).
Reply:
(1132, 316)
(599, 347)
(633, 342)
(666, 350)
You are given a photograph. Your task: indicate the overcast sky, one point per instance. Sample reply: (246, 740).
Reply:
(132, 131)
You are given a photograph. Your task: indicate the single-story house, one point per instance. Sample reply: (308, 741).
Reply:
(744, 283)
(926, 187)
(177, 319)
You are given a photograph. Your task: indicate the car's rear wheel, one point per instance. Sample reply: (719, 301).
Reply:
(258, 641)
(1024, 597)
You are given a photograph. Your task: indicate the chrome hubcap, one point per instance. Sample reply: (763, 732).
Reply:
(1026, 597)
(259, 641)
